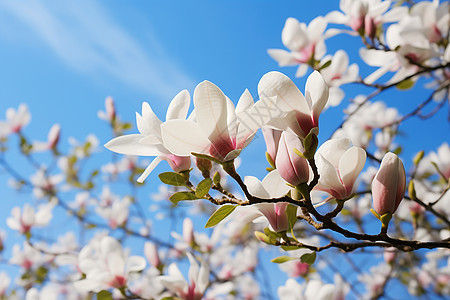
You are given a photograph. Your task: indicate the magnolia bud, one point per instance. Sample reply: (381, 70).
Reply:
(293, 168)
(389, 184)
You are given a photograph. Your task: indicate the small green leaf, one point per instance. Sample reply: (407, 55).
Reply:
(282, 259)
(172, 178)
(264, 238)
(291, 212)
(216, 178)
(180, 196)
(104, 295)
(203, 188)
(308, 258)
(289, 248)
(325, 65)
(405, 84)
(219, 215)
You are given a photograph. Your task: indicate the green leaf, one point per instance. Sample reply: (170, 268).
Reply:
(405, 84)
(104, 295)
(308, 258)
(282, 259)
(216, 178)
(289, 248)
(219, 215)
(203, 188)
(180, 196)
(325, 65)
(264, 238)
(291, 212)
(172, 178)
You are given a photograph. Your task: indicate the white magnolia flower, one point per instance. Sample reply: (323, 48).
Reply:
(198, 280)
(313, 290)
(52, 140)
(221, 130)
(306, 44)
(17, 119)
(25, 219)
(364, 16)
(149, 142)
(106, 266)
(4, 283)
(302, 113)
(339, 72)
(339, 165)
(272, 186)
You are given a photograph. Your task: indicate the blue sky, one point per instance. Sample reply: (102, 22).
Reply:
(64, 58)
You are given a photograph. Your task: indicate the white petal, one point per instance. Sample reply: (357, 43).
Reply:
(116, 265)
(283, 57)
(328, 176)
(350, 165)
(256, 188)
(135, 264)
(336, 17)
(275, 185)
(149, 123)
(293, 35)
(203, 278)
(149, 169)
(179, 106)
(316, 28)
(181, 137)
(211, 110)
(288, 96)
(317, 91)
(132, 145)
(245, 102)
(333, 150)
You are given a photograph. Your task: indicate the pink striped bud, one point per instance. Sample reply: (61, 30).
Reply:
(293, 168)
(389, 184)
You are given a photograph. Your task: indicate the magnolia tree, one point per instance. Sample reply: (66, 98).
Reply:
(86, 232)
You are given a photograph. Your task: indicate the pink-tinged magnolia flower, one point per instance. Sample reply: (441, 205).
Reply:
(302, 113)
(272, 139)
(151, 253)
(220, 130)
(107, 266)
(110, 110)
(364, 16)
(306, 44)
(388, 186)
(52, 140)
(272, 186)
(198, 280)
(339, 165)
(24, 220)
(17, 119)
(293, 168)
(338, 73)
(149, 140)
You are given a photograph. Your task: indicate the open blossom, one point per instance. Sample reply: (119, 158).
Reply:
(198, 280)
(314, 289)
(106, 266)
(272, 186)
(17, 119)
(221, 130)
(339, 165)
(388, 186)
(338, 73)
(148, 142)
(302, 113)
(306, 44)
(364, 16)
(110, 110)
(52, 140)
(24, 219)
(116, 213)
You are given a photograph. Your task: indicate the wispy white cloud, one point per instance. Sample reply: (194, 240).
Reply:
(86, 37)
